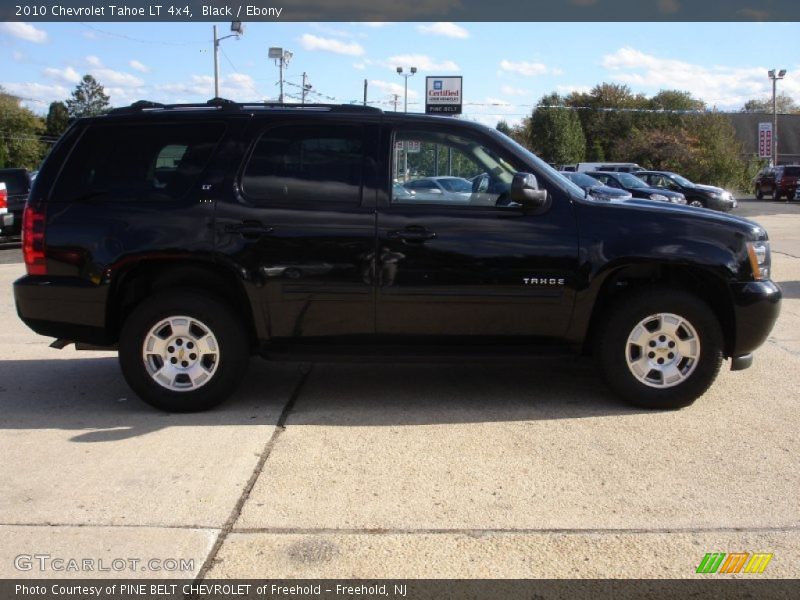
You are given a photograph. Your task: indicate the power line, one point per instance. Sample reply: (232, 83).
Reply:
(139, 40)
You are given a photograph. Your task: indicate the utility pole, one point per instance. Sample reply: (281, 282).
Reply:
(365, 92)
(305, 89)
(396, 99)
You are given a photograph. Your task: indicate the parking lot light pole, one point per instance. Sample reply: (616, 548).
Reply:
(238, 30)
(281, 58)
(774, 77)
(400, 72)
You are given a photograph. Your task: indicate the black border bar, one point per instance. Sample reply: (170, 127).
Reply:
(400, 10)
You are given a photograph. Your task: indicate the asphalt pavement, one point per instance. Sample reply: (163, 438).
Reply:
(360, 471)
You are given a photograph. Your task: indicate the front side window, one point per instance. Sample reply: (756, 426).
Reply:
(142, 162)
(306, 164)
(449, 170)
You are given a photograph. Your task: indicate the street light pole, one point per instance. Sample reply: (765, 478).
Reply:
(238, 30)
(774, 77)
(400, 72)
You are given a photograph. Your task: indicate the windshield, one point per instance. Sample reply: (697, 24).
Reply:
(583, 180)
(456, 185)
(631, 181)
(681, 180)
(541, 165)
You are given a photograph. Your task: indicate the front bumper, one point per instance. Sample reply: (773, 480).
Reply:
(756, 305)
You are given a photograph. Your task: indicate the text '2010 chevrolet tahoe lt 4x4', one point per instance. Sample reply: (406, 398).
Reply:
(191, 237)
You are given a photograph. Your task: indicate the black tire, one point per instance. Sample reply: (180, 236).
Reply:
(759, 193)
(697, 203)
(230, 363)
(611, 347)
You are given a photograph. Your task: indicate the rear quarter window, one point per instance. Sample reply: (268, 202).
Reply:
(17, 182)
(138, 162)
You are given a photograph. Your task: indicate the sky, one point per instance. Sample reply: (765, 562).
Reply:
(507, 67)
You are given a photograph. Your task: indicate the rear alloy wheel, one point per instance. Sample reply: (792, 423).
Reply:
(661, 348)
(181, 351)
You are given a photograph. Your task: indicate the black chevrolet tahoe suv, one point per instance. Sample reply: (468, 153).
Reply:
(191, 237)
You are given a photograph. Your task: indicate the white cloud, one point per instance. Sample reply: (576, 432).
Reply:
(446, 29)
(724, 87)
(24, 31)
(374, 24)
(568, 89)
(512, 91)
(421, 62)
(66, 75)
(313, 42)
(37, 96)
(110, 77)
(389, 87)
(139, 66)
(18, 56)
(528, 69)
(199, 88)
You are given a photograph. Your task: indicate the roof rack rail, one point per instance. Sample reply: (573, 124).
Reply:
(230, 105)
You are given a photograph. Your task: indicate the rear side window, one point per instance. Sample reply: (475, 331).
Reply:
(143, 162)
(791, 171)
(301, 165)
(17, 182)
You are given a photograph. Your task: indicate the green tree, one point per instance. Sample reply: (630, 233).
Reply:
(607, 114)
(503, 127)
(20, 129)
(57, 120)
(785, 104)
(555, 133)
(88, 99)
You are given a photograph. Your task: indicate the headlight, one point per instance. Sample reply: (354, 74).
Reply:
(658, 197)
(758, 253)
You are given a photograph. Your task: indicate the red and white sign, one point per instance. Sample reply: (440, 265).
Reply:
(765, 140)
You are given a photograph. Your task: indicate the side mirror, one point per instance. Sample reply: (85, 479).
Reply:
(525, 190)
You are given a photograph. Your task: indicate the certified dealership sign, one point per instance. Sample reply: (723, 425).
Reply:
(443, 95)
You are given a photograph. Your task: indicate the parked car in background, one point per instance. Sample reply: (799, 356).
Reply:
(637, 187)
(18, 186)
(437, 189)
(617, 167)
(778, 182)
(596, 188)
(705, 196)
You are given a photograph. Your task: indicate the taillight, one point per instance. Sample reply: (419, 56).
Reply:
(3, 199)
(33, 240)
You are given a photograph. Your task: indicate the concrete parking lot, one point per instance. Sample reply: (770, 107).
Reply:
(371, 471)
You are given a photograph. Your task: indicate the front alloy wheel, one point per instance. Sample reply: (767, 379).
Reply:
(659, 347)
(663, 350)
